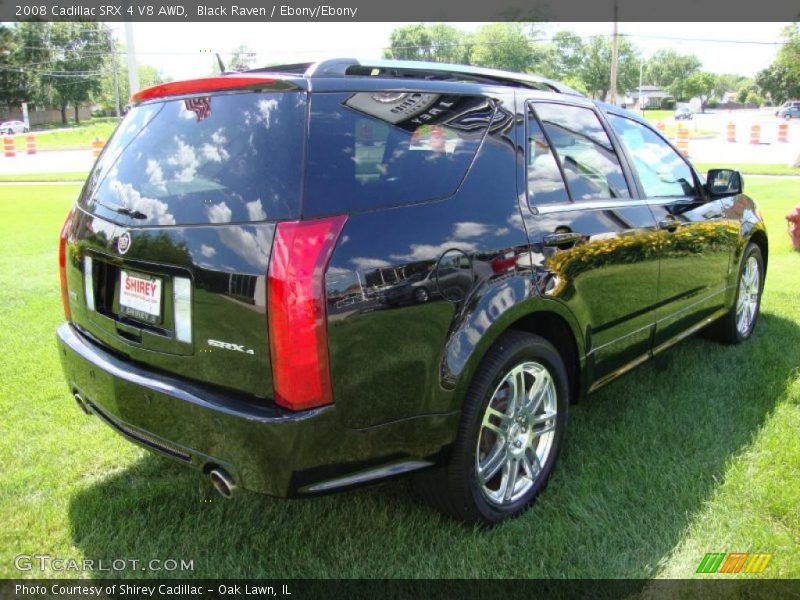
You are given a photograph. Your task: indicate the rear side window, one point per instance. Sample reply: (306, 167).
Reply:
(206, 159)
(587, 157)
(369, 150)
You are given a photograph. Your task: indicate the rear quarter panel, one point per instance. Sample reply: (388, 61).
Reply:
(387, 349)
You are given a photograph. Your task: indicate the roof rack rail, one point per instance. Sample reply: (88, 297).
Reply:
(351, 66)
(341, 67)
(294, 68)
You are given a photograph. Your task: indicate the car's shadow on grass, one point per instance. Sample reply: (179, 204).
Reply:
(643, 457)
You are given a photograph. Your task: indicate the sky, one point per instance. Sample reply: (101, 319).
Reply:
(183, 50)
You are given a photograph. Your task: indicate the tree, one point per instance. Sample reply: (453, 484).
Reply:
(242, 58)
(148, 76)
(564, 56)
(23, 54)
(668, 67)
(753, 97)
(595, 72)
(781, 80)
(79, 51)
(729, 82)
(13, 80)
(748, 92)
(507, 46)
(700, 85)
(438, 43)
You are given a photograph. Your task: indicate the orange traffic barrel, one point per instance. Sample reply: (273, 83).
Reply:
(8, 146)
(755, 134)
(97, 147)
(731, 135)
(660, 126)
(683, 141)
(30, 143)
(783, 132)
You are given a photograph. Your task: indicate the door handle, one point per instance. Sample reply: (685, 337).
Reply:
(562, 239)
(670, 224)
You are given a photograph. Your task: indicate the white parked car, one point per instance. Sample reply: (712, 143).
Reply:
(10, 127)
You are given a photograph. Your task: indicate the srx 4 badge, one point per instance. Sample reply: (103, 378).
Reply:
(229, 346)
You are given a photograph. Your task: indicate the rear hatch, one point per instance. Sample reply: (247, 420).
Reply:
(171, 239)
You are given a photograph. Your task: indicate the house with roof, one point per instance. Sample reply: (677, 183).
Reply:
(652, 96)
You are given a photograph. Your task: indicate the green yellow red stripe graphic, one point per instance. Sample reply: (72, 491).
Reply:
(734, 562)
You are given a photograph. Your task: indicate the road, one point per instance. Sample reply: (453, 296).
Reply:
(719, 151)
(47, 162)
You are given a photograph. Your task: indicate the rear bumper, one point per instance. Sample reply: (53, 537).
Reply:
(265, 449)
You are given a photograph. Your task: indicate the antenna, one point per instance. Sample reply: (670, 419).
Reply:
(221, 64)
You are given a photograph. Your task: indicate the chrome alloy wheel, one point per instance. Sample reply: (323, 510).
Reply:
(747, 302)
(516, 434)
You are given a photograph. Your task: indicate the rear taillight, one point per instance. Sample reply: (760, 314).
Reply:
(62, 264)
(296, 302)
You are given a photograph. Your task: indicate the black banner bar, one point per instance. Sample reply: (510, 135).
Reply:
(712, 11)
(293, 589)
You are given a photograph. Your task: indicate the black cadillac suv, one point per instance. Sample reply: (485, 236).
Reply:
(310, 277)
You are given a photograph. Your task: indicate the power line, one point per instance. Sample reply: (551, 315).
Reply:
(25, 71)
(709, 40)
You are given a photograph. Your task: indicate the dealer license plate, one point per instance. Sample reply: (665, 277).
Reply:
(140, 296)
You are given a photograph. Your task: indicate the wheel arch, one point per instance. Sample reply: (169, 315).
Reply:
(555, 329)
(759, 238)
(479, 330)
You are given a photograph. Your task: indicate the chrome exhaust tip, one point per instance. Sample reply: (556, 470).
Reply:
(222, 482)
(81, 403)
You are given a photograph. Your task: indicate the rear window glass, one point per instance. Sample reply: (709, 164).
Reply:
(369, 150)
(224, 158)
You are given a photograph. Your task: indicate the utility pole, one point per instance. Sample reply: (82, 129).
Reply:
(133, 73)
(112, 49)
(641, 72)
(614, 55)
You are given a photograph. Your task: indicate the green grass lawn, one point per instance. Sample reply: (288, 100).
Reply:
(697, 451)
(71, 123)
(657, 115)
(43, 177)
(74, 137)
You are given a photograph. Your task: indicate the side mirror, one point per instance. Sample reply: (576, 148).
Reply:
(724, 182)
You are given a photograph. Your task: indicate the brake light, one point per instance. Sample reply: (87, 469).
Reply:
(62, 264)
(196, 86)
(298, 334)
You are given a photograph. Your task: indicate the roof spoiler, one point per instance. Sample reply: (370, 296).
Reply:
(205, 84)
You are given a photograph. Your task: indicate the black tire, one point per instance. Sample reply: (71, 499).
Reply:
(454, 489)
(421, 295)
(726, 330)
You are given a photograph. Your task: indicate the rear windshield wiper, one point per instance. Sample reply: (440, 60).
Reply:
(122, 210)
